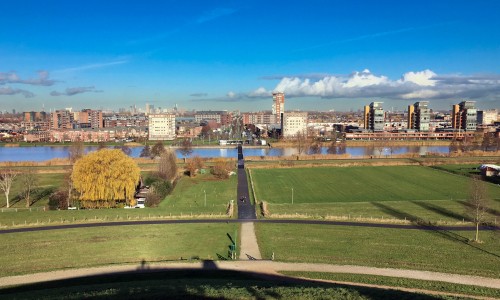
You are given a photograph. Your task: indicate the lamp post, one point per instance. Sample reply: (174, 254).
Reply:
(205, 197)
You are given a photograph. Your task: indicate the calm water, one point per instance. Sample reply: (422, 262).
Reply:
(46, 152)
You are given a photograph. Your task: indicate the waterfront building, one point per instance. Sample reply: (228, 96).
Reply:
(487, 117)
(419, 116)
(61, 119)
(223, 118)
(374, 117)
(464, 116)
(294, 123)
(161, 127)
(259, 118)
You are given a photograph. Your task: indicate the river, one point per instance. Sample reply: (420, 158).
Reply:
(42, 153)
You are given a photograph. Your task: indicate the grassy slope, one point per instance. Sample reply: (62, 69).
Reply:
(198, 285)
(187, 200)
(33, 252)
(401, 282)
(441, 251)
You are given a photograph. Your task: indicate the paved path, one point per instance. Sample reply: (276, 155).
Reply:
(249, 248)
(246, 211)
(262, 267)
(275, 221)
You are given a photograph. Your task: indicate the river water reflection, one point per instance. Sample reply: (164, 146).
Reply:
(43, 153)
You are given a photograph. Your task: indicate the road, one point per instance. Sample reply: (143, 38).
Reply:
(246, 210)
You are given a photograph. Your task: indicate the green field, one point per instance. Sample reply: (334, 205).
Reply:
(189, 194)
(186, 201)
(359, 184)
(31, 252)
(441, 251)
(368, 193)
(46, 183)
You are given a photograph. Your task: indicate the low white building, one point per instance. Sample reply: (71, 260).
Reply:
(161, 127)
(294, 123)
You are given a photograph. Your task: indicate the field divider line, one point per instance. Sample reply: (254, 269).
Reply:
(252, 186)
(352, 202)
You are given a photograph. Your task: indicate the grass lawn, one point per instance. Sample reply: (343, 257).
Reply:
(359, 184)
(401, 282)
(186, 201)
(32, 252)
(395, 192)
(189, 193)
(444, 212)
(204, 284)
(441, 251)
(46, 183)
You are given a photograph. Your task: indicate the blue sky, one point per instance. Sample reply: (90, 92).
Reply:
(232, 54)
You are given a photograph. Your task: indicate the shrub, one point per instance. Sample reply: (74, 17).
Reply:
(58, 200)
(221, 169)
(152, 200)
(161, 187)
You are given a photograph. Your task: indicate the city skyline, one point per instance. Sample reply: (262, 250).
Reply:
(231, 55)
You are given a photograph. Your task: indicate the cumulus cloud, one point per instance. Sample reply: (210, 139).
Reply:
(75, 90)
(12, 77)
(412, 85)
(11, 91)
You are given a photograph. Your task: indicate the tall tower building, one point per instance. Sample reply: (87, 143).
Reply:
(419, 116)
(374, 117)
(464, 116)
(278, 106)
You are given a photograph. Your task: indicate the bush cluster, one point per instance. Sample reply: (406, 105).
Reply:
(159, 188)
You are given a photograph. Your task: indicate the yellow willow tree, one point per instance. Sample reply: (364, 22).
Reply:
(105, 177)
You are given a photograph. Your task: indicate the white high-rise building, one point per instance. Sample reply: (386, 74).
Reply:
(294, 123)
(161, 127)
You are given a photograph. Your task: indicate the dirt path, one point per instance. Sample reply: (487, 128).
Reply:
(249, 249)
(258, 266)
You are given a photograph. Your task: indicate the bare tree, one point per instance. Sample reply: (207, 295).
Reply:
(193, 165)
(7, 177)
(380, 146)
(146, 151)
(301, 142)
(477, 203)
(158, 149)
(332, 148)
(315, 147)
(76, 150)
(167, 166)
(29, 180)
(186, 147)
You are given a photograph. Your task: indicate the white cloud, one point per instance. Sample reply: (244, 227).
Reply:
(423, 78)
(412, 85)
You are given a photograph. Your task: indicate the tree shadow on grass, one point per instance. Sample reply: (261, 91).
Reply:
(209, 282)
(42, 193)
(491, 211)
(441, 210)
(428, 226)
